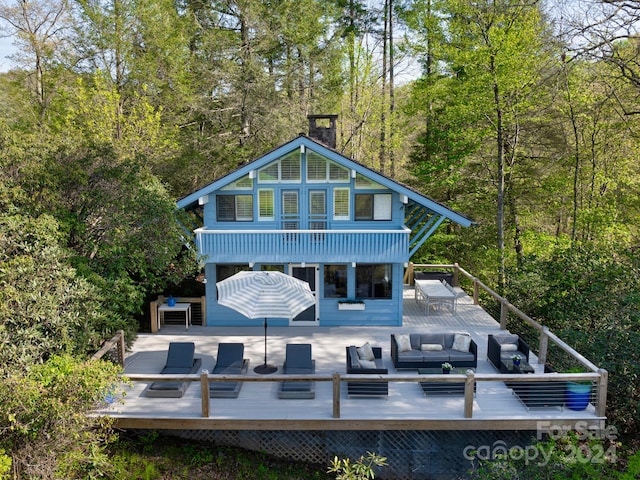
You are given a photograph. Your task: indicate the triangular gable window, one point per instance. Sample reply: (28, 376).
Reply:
(366, 183)
(285, 169)
(244, 183)
(321, 169)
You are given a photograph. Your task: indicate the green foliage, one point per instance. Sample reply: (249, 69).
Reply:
(44, 307)
(154, 457)
(5, 465)
(45, 422)
(589, 297)
(568, 457)
(361, 469)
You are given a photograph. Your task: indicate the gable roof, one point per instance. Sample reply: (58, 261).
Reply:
(413, 196)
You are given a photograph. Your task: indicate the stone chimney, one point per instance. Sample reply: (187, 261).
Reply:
(323, 129)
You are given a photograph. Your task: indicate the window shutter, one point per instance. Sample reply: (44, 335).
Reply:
(290, 167)
(265, 204)
(341, 203)
(244, 208)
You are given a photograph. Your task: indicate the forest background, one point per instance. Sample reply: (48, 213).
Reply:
(523, 115)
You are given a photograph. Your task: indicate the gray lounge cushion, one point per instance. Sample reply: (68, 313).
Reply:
(179, 357)
(298, 361)
(456, 356)
(229, 362)
(180, 361)
(436, 356)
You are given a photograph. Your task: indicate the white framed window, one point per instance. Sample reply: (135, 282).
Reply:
(363, 182)
(373, 206)
(244, 183)
(285, 169)
(321, 169)
(290, 210)
(341, 203)
(234, 208)
(290, 167)
(266, 210)
(268, 173)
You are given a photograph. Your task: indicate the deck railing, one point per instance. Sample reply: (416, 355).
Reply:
(471, 381)
(273, 246)
(545, 336)
(116, 343)
(597, 376)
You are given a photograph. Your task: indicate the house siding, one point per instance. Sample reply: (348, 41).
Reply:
(299, 225)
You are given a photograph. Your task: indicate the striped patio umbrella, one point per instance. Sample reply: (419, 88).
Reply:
(265, 295)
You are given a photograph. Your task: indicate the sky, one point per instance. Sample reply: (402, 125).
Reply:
(6, 49)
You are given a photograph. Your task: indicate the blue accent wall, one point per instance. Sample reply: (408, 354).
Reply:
(378, 312)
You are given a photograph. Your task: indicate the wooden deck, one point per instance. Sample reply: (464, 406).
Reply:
(258, 407)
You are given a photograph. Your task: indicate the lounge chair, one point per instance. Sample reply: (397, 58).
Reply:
(180, 361)
(504, 346)
(357, 365)
(229, 362)
(298, 361)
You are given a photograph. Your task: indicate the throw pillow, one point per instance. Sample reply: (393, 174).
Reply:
(461, 342)
(365, 352)
(508, 347)
(369, 364)
(431, 347)
(403, 342)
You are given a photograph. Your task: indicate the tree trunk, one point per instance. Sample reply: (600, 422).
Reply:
(383, 103)
(392, 101)
(500, 176)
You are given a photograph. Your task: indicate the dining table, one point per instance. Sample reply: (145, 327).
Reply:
(434, 293)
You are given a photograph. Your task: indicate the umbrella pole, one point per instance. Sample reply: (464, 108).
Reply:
(265, 368)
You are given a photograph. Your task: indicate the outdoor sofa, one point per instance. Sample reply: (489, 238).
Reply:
(366, 360)
(180, 361)
(431, 350)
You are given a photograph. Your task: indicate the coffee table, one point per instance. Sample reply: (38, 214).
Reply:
(443, 388)
(507, 366)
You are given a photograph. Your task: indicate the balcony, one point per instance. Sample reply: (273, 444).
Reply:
(283, 246)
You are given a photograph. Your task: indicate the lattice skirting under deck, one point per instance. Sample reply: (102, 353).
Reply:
(411, 455)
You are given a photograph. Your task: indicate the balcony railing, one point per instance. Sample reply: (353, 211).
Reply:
(283, 246)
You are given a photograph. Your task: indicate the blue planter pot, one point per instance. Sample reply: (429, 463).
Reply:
(577, 395)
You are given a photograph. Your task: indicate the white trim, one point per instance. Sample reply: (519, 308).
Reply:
(399, 231)
(316, 269)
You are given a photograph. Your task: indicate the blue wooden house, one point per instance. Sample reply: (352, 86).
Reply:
(308, 211)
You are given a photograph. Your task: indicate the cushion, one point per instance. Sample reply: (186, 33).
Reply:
(430, 338)
(462, 342)
(369, 364)
(437, 356)
(508, 347)
(456, 357)
(403, 342)
(430, 347)
(365, 352)
(506, 338)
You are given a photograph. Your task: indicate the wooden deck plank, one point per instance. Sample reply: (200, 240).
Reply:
(258, 405)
